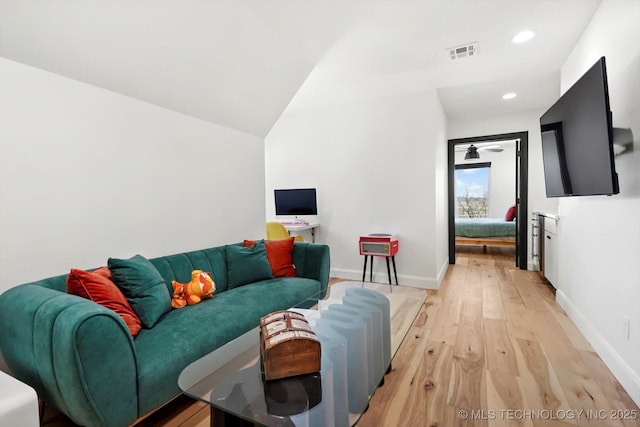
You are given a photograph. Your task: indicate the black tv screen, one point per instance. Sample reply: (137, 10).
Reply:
(577, 139)
(299, 201)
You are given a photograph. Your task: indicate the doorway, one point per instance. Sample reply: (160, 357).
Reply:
(521, 190)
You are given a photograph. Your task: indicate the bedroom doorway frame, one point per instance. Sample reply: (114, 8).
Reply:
(522, 190)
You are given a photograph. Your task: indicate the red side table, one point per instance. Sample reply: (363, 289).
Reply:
(382, 245)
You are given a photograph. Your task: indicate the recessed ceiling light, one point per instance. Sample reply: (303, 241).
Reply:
(523, 36)
(509, 95)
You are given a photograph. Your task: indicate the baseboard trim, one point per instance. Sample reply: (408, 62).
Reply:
(381, 277)
(627, 377)
(443, 271)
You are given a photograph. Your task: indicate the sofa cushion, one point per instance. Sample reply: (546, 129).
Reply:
(178, 267)
(279, 255)
(247, 264)
(98, 287)
(183, 336)
(143, 286)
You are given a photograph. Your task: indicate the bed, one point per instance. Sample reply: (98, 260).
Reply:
(485, 232)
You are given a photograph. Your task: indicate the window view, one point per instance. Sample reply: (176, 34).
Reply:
(472, 190)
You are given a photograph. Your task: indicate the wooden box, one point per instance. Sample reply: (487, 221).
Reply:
(288, 345)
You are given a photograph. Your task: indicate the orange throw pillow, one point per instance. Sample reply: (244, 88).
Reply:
(279, 255)
(98, 287)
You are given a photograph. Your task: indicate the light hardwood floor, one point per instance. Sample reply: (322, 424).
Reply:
(490, 344)
(493, 340)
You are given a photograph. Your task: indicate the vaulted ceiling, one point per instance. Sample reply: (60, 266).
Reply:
(240, 63)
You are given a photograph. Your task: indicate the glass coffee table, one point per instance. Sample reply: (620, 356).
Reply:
(230, 380)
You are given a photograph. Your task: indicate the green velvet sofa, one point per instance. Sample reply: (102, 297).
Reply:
(81, 358)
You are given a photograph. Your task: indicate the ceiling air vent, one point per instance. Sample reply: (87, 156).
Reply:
(464, 51)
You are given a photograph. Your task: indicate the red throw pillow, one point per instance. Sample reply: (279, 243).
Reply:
(511, 214)
(279, 254)
(98, 287)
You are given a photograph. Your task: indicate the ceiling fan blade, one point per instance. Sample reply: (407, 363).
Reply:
(461, 148)
(493, 148)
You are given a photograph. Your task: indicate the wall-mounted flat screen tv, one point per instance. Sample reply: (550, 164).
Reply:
(577, 139)
(297, 201)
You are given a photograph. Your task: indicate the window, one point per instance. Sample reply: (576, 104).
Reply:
(472, 190)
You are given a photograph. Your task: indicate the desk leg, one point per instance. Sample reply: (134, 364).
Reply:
(371, 270)
(388, 270)
(395, 272)
(313, 235)
(364, 270)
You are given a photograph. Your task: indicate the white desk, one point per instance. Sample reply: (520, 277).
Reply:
(301, 227)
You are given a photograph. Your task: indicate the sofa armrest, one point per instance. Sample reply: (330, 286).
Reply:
(312, 261)
(78, 355)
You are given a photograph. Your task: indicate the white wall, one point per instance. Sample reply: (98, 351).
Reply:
(599, 237)
(502, 178)
(371, 153)
(522, 122)
(86, 174)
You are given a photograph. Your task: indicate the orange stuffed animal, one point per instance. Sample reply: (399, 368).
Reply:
(200, 287)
